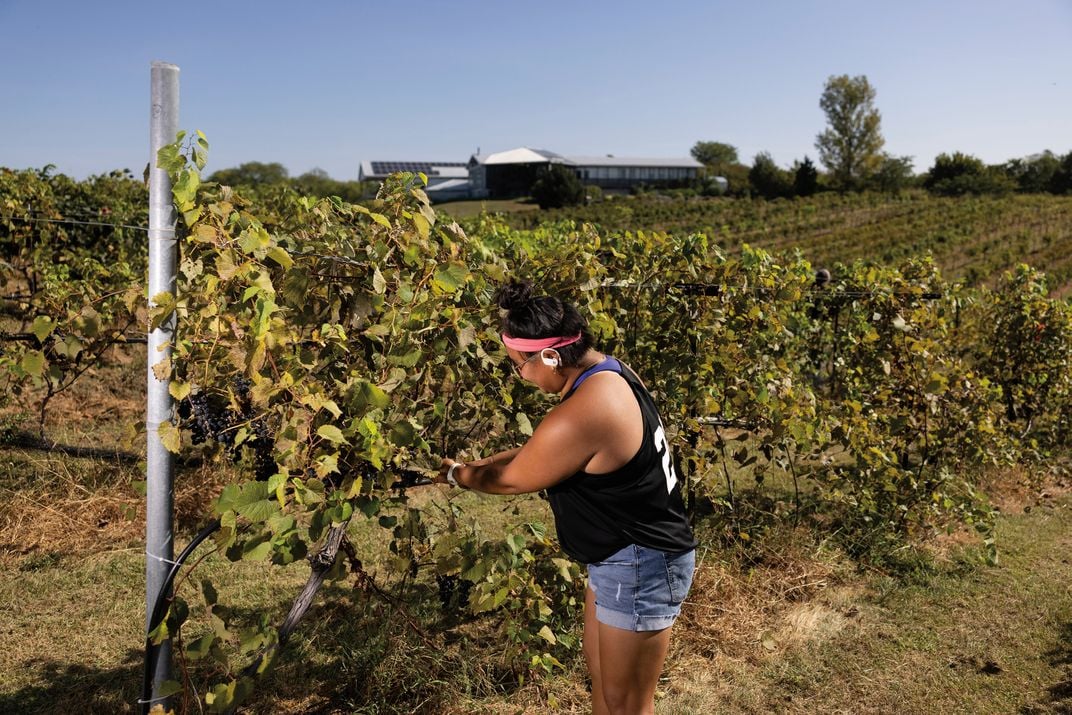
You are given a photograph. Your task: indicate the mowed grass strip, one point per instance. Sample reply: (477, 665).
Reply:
(939, 636)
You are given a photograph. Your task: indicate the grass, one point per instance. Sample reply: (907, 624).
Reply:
(468, 209)
(783, 623)
(786, 626)
(946, 637)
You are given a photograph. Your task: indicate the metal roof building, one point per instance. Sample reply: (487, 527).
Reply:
(511, 173)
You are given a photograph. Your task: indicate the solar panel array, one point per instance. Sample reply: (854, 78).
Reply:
(390, 167)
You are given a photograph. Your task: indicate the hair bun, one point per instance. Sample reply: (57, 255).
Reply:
(514, 295)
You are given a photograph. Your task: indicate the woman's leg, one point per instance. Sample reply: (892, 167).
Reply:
(629, 667)
(591, 652)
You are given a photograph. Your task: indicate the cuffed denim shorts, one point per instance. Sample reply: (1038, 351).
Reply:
(641, 589)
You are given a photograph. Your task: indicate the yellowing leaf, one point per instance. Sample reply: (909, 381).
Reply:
(203, 233)
(449, 277)
(179, 389)
(523, 424)
(422, 225)
(42, 327)
(332, 434)
(327, 464)
(355, 488)
(33, 362)
(169, 437)
(254, 238)
(162, 369)
(280, 256)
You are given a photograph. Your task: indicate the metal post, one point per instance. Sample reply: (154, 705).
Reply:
(160, 466)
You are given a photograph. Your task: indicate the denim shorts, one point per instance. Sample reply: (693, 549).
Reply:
(641, 589)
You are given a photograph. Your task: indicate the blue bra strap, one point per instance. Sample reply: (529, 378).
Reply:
(607, 363)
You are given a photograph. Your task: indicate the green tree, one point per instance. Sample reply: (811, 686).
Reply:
(316, 182)
(737, 177)
(894, 174)
(850, 146)
(1033, 174)
(714, 154)
(557, 186)
(805, 178)
(252, 173)
(1061, 182)
(768, 179)
(958, 174)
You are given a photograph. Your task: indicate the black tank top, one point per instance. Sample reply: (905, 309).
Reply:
(639, 503)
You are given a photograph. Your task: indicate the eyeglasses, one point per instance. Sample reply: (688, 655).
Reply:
(519, 366)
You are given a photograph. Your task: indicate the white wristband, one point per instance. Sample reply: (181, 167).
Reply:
(450, 474)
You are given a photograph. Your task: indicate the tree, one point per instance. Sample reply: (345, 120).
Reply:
(557, 186)
(958, 174)
(851, 145)
(894, 174)
(1033, 174)
(737, 177)
(714, 154)
(1061, 183)
(767, 178)
(252, 173)
(805, 178)
(317, 182)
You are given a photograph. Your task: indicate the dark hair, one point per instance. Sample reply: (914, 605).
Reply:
(530, 316)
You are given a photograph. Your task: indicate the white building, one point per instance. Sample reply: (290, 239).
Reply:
(509, 174)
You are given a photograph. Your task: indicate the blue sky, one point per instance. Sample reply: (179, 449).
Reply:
(329, 84)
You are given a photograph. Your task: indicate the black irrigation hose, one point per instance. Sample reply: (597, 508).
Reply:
(409, 478)
(160, 607)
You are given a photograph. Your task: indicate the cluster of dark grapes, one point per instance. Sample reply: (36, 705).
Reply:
(453, 591)
(201, 419)
(212, 417)
(264, 465)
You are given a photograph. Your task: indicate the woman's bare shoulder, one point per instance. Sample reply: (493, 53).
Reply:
(604, 398)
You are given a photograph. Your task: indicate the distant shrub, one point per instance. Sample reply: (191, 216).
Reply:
(959, 174)
(557, 186)
(805, 178)
(893, 175)
(768, 179)
(1033, 174)
(1061, 181)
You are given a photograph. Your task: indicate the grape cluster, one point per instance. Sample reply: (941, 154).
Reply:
(208, 418)
(264, 465)
(213, 417)
(453, 591)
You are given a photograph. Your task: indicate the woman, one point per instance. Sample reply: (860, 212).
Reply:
(602, 456)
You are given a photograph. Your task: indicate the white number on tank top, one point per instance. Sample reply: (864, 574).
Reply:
(664, 451)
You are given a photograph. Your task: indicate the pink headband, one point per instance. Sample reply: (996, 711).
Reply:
(532, 345)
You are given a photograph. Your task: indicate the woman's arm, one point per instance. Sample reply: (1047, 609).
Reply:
(600, 425)
(556, 450)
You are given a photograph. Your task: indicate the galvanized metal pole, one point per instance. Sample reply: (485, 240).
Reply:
(160, 465)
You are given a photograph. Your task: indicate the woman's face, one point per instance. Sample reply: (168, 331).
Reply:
(531, 368)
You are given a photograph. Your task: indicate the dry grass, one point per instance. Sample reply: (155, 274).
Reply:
(1019, 489)
(79, 507)
(735, 610)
